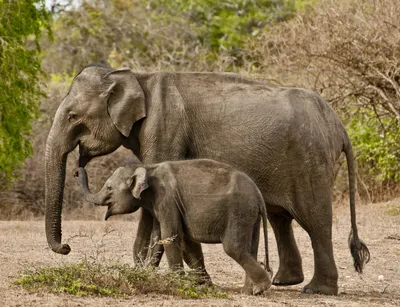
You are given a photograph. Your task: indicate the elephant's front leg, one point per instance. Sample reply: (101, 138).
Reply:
(142, 241)
(290, 270)
(171, 238)
(154, 151)
(156, 249)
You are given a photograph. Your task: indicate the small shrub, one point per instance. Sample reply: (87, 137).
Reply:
(393, 210)
(377, 149)
(93, 279)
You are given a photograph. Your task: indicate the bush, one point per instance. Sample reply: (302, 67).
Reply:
(377, 153)
(380, 149)
(94, 279)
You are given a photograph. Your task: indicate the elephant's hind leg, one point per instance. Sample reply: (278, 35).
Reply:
(290, 271)
(325, 279)
(316, 219)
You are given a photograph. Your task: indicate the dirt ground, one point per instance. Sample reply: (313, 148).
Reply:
(23, 245)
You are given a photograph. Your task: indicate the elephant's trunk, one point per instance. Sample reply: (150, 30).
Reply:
(55, 164)
(84, 183)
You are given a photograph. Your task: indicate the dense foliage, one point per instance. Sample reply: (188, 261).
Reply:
(173, 35)
(224, 25)
(21, 24)
(378, 149)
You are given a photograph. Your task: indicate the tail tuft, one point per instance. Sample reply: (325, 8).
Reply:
(360, 254)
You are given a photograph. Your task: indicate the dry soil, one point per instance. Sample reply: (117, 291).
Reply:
(23, 245)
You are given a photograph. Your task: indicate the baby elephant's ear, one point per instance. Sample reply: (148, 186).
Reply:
(139, 182)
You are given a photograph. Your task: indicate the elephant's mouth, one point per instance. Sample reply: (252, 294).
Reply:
(108, 213)
(84, 156)
(84, 160)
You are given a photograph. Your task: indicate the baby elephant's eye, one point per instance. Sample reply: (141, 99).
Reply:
(72, 116)
(109, 188)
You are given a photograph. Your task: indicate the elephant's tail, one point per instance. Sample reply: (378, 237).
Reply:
(263, 212)
(358, 249)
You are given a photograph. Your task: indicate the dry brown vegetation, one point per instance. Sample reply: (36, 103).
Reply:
(346, 50)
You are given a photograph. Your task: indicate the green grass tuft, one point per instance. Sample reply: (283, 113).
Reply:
(92, 279)
(393, 210)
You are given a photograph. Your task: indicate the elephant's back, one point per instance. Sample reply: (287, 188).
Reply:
(275, 138)
(202, 176)
(314, 129)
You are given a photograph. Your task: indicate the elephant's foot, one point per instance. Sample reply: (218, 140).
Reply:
(248, 286)
(247, 289)
(205, 280)
(321, 288)
(251, 288)
(261, 287)
(201, 277)
(288, 277)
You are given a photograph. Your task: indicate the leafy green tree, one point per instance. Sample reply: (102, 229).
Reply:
(21, 24)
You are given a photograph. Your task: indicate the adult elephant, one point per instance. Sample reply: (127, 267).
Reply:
(286, 139)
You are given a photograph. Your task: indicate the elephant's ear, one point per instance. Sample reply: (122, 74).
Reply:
(138, 182)
(125, 99)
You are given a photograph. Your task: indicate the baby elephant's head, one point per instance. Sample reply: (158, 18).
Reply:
(121, 191)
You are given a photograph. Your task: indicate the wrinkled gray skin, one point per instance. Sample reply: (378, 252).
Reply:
(194, 201)
(286, 139)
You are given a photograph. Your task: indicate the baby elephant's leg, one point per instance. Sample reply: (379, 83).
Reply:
(239, 248)
(193, 256)
(156, 249)
(248, 284)
(171, 238)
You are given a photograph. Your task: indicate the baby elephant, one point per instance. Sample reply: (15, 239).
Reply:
(193, 201)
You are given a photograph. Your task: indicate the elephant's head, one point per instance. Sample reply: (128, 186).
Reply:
(97, 114)
(120, 193)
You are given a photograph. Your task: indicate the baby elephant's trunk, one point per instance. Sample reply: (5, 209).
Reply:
(84, 183)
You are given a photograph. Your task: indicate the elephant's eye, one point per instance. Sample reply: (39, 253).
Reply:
(72, 116)
(109, 188)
